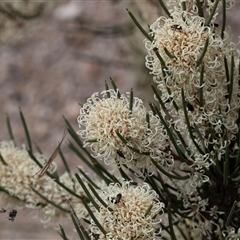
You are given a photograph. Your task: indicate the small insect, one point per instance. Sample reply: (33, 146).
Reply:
(176, 27)
(96, 236)
(12, 215)
(2, 210)
(54, 154)
(190, 106)
(120, 154)
(116, 199)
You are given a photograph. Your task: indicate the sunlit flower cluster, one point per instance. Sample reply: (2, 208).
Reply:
(18, 177)
(130, 217)
(18, 174)
(102, 118)
(180, 42)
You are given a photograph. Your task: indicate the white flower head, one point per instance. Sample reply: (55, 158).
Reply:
(130, 217)
(18, 177)
(184, 37)
(102, 118)
(19, 174)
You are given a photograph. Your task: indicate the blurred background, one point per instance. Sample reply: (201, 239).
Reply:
(53, 56)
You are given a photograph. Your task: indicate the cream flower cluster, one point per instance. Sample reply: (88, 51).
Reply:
(19, 175)
(180, 42)
(101, 118)
(129, 218)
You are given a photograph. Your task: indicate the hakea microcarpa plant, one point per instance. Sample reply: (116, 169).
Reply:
(171, 172)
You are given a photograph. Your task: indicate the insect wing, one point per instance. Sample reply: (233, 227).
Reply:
(50, 160)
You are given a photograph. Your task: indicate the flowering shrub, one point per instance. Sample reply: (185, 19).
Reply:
(128, 218)
(103, 121)
(172, 172)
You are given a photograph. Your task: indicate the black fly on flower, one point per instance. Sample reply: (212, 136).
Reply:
(116, 199)
(176, 27)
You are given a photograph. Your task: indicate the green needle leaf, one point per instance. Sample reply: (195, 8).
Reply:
(200, 59)
(167, 173)
(94, 218)
(97, 196)
(200, 8)
(164, 8)
(230, 87)
(224, 17)
(77, 227)
(171, 135)
(10, 129)
(231, 213)
(170, 55)
(62, 233)
(107, 88)
(148, 119)
(201, 86)
(87, 192)
(87, 177)
(209, 20)
(26, 130)
(148, 210)
(2, 160)
(160, 58)
(49, 201)
(173, 237)
(131, 100)
(132, 148)
(92, 140)
(80, 229)
(139, 26)
(115, 88)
